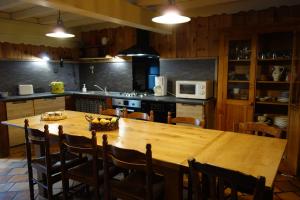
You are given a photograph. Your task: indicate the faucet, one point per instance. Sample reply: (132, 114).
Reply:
(101, 89)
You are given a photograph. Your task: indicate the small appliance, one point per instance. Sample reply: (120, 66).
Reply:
(160, 88)
(57, 87)
(194, 89)
(26, 89)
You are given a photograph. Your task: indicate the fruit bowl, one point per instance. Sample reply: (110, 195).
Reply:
(102, 124)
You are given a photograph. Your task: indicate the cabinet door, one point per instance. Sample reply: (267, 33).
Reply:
(16, 110)
(187, 110)
(235, 114)
(236, 81)
(49, 104)
(293, 146)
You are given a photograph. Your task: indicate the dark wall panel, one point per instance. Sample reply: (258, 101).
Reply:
(116, 76)
(40, 74)
(187, 70)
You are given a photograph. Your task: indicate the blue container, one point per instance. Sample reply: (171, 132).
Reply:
(154, 70)
(151, 81)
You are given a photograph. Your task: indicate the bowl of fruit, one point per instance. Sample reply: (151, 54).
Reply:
(102, 124)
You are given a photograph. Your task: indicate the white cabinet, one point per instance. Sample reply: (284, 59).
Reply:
(18, 109)
(48, 104)
(189, 110)
(205, 112)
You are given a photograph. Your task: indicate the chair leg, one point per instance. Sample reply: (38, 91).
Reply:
(50, 189)
(65, 184)
(30, 181)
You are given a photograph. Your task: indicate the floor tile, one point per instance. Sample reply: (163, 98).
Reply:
(4, 179)
(25, 195)
(5, 187)
(286, 186)
(20, 186)
(16, 171)
(18, 178)
(288, 196)
(7, 195)
(4, 171)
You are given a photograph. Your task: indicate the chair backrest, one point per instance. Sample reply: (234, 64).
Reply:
(112, 112)
(139, 115)
(185, 120)
(210, 181)
(257, 128)
(78, 145)
(37, 137)
(128, 159)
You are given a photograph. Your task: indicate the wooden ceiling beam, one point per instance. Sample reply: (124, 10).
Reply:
(6, 4)
(52, 19)
(36, 11)
(82, 22)
(115, 11)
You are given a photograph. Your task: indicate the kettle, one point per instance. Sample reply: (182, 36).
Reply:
(57, 87)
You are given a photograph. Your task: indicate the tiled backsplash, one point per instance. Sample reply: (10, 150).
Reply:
(115, 76)
(118, 76)
(40, 74)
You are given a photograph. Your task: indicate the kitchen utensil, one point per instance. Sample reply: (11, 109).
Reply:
(57, 87)
(3, 94)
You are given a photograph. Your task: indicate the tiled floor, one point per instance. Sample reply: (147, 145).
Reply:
(14, 185)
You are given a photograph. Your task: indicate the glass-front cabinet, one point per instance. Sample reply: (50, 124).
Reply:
(238, 71)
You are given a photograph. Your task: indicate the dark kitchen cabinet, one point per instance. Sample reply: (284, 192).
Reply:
(160, 110)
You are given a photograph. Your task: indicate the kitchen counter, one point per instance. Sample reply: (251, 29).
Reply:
(34, 96)
(171, 99)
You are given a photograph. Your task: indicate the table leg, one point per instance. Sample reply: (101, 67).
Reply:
(268, 195)
(173, 182)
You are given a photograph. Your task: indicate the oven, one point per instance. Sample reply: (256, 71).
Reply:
(132, 105)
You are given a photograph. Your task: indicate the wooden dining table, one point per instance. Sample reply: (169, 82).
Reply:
(173, 145)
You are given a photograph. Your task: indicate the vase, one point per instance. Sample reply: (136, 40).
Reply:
(277, 72)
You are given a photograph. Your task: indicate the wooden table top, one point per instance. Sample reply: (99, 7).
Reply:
(174, 144)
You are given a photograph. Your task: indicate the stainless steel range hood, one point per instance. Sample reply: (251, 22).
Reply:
(141, 48)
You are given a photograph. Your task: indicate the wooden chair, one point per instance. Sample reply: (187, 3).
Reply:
(185, 120)
(48, 165)
(209, 182)
(139, 115)
(112, 112)
(140, 183)
(261, 129)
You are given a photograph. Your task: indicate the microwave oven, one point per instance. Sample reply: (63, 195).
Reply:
(194, 89)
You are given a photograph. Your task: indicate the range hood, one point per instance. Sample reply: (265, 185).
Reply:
(142, 47)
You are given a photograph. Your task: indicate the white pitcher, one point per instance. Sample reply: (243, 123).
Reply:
(277, 72)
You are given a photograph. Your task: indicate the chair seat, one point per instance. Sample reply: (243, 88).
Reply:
(134, 184)
(72, 160)
(84, 172)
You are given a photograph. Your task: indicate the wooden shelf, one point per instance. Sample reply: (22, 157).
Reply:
(238, 81)
(273, 82)
(275, 60)
(272, 103)
(240, 60)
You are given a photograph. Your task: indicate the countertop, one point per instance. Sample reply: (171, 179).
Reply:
(171, 99)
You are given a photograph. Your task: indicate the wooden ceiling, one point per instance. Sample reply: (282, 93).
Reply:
(203, 8)
(22, 11)
(135, 13)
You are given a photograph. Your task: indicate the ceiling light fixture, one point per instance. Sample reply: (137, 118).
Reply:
(59, 30)
(171, 15)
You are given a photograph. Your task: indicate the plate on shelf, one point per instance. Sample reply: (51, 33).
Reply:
(283, 100)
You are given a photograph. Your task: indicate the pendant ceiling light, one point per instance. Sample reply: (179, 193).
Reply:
(171, 15)
(59, 30)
